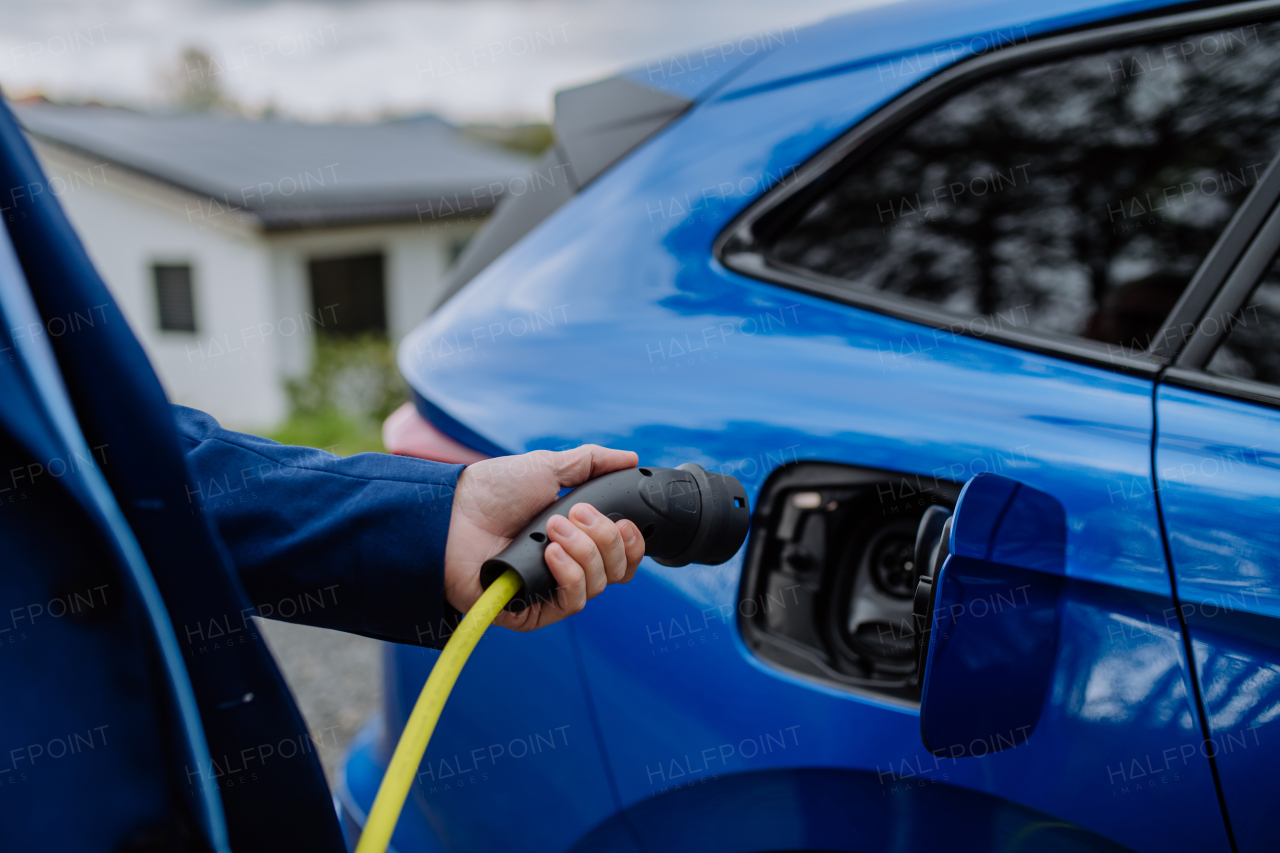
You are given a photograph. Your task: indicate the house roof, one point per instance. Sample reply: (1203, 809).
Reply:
(291, 174)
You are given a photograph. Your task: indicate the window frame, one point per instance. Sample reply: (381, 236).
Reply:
(736, 247)
(382, 254)
(153, 268)
(1188, 371)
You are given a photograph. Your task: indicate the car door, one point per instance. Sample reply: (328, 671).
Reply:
(1217, 464)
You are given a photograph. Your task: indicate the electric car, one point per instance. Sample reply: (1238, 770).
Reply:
(864, 266)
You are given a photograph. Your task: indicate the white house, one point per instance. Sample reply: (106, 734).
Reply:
(230, 243)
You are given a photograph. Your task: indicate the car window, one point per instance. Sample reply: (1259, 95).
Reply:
(1075, 197)
(1251, 347)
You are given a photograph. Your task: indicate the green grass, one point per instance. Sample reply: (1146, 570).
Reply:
(332, 431)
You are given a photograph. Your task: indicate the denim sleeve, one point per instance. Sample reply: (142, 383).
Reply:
(356, 543)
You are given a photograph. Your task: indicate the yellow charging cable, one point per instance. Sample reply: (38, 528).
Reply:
(398, 779)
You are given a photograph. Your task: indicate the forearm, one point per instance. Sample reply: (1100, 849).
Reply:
(356, 544)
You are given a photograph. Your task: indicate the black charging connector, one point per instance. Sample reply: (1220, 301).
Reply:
(686, 515)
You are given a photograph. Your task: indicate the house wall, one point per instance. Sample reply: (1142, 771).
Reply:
(229, 366)
(254, 317)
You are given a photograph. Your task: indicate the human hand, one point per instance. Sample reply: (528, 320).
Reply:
(496, 498)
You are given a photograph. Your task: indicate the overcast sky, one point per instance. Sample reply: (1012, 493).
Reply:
(469, 60)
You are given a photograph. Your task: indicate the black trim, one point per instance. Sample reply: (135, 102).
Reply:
(1223, 386)
(736, 247)
(1253, 265)
(1211, 280)
(943, 322)
(1188, 371)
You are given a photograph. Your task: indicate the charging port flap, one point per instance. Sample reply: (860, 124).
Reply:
(831, 576)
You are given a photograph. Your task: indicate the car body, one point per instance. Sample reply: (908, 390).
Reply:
(677, 299)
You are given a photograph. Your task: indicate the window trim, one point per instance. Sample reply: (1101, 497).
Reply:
(1217, 274)
(153, 267)
(1244, 390)
(737, 250)
(1189, 369)
(1248, 272)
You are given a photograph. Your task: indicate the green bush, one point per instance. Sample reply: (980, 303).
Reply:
(340, 405)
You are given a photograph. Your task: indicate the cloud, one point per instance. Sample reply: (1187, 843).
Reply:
(470, 60)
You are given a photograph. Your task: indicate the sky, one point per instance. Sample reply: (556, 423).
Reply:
(467, 60)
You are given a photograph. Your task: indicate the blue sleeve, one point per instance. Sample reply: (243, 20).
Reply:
(356, 544)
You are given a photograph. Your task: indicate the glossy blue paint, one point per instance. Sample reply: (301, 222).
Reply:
(362, 771)
(1218, 467)
(516, 740)
(829, 809)
(612, 323)
(995, 621)
(1010, 523)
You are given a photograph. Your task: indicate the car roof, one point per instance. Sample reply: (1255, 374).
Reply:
(779, 56)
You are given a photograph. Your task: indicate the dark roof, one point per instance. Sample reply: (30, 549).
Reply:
(288, 173)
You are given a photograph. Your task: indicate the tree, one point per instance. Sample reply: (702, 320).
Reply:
(195, 82)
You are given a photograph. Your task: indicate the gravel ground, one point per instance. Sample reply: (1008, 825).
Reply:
(335, 677)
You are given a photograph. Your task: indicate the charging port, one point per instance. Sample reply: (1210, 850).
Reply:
(831, 573)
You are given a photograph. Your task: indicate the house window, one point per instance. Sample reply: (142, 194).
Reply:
(456, 248)
(348, 294)
(174, 298)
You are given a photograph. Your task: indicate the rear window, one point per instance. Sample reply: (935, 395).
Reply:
(1076, 197)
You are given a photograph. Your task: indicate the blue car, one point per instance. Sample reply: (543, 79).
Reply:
(1009, 268)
